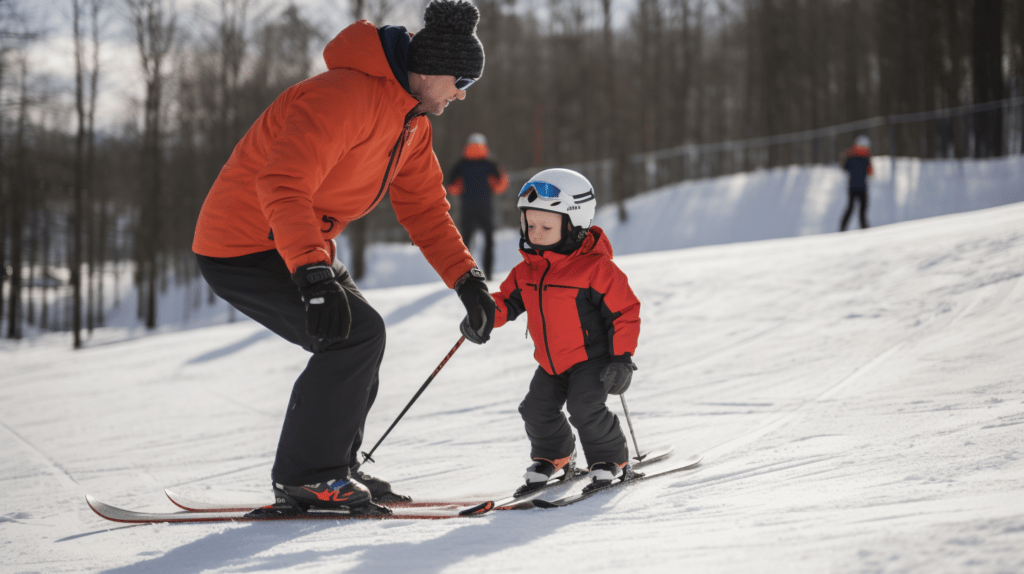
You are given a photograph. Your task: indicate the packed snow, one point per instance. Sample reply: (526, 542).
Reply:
(857, 397)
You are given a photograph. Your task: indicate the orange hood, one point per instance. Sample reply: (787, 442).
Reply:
(357, 47)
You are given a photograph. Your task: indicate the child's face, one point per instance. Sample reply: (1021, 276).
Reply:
(543, 228)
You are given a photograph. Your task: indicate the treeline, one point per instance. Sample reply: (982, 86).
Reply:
(566, 81)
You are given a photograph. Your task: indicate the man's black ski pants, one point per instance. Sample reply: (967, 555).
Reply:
(323, 427)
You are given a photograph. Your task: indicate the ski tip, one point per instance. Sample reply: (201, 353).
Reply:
(694, 460)
(94, 503)
(173, 497)
(102, 509)
(481, 508)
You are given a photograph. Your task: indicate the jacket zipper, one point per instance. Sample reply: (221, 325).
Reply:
(543, 321)
(396, 152)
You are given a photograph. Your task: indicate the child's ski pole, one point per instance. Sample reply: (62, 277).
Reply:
(625, 409)
(423, 387)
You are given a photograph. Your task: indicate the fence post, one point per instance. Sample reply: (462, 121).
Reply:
(892, 152)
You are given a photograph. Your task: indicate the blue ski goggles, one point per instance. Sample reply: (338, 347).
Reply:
(543, 189)
(463, 83)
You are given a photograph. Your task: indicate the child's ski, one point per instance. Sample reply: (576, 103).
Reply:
(685, 464)
(527, 501)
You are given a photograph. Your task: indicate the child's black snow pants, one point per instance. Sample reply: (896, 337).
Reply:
(323, 427)
(582, 392)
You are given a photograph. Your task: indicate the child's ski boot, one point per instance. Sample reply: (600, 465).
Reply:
(603, 474)
(541, 470)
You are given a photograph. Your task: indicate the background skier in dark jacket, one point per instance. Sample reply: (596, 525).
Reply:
(857, 161)
(477, 178)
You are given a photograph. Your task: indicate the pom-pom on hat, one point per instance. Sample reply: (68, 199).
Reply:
(447, 45)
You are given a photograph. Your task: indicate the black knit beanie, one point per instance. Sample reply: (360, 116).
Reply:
(447, 45)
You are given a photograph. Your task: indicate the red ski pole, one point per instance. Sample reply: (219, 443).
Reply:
(423, 387)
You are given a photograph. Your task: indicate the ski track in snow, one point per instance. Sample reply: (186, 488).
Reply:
(858, 399)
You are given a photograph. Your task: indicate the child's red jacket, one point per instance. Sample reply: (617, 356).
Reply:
(579, 306)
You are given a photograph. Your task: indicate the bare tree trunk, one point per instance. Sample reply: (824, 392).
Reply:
(33, 234)
(4, 187)
(96, 228)
(154, 27)
(77, 213)
(17, 194)
(987, 56)
(358, 238)
(612, 146)
(44, 316)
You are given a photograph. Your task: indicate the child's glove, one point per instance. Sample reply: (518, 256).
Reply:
(617, 375)
(479, 321)
(328, 316)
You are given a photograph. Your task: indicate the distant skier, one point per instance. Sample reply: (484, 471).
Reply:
(584, 320)
(857, 161)
(476, 178)
(324, 154)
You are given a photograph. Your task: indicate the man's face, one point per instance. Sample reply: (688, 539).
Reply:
(543, 228)
(434, 92)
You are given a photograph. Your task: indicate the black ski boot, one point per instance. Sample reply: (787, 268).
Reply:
(541, 470)
(347, 495)
(603, 474)
(379, 488)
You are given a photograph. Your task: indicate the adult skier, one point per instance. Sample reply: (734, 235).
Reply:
(857, 162)
(323, 154)
(477, 177)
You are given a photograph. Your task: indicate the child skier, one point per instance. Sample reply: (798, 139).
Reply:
(584, 320)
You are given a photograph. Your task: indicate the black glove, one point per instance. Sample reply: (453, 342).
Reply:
(328, 316)
(479, 321)
(617, 375)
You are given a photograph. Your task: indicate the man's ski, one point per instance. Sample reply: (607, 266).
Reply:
(276, 513)
(685, 464)
(193, 505)
(507, 503)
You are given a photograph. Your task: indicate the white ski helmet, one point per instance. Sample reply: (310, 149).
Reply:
(560, 191)
(862, 140)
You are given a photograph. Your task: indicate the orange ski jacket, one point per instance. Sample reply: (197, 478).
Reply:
(324, 154)
(477, 169)
(579, 306)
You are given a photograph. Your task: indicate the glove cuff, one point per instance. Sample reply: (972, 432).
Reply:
(623, 358)
(312, 274)
(474, 274)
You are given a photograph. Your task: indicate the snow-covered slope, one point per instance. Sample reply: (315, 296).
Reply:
(858, 397)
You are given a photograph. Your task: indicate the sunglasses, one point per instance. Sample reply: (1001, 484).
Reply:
(463, 83)
(543, 189)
